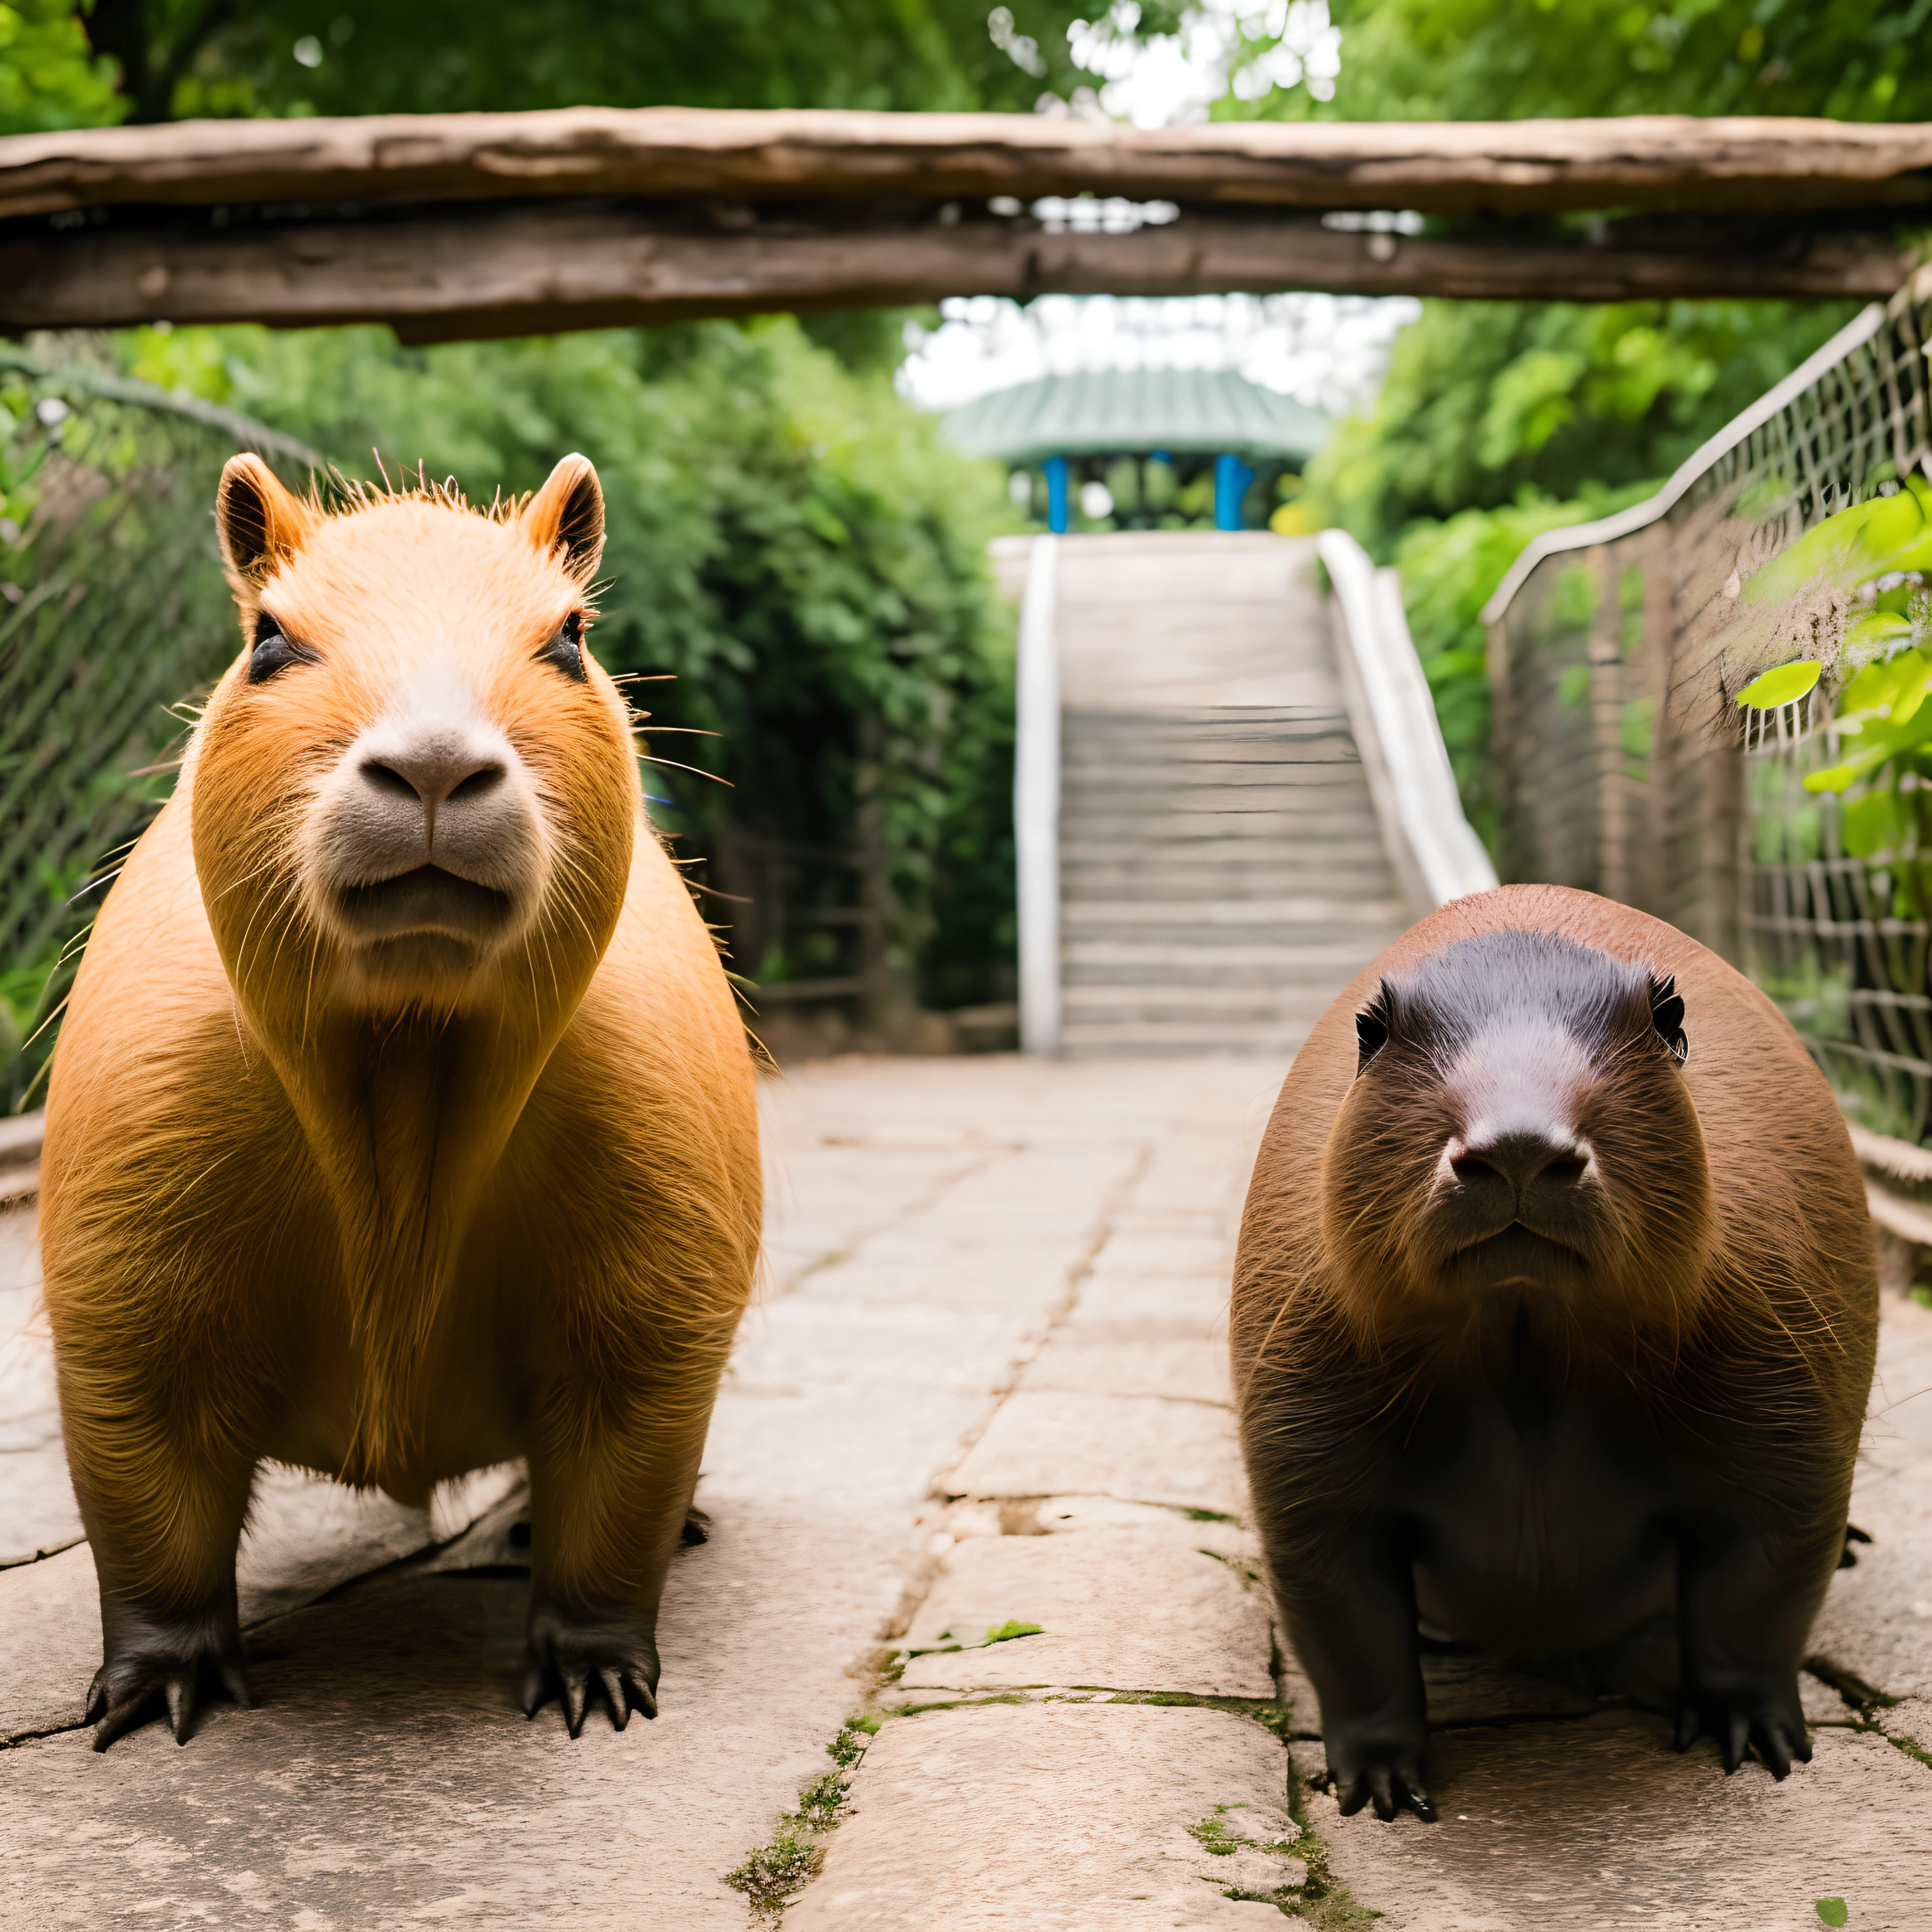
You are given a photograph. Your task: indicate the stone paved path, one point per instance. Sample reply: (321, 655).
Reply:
(985, 1390)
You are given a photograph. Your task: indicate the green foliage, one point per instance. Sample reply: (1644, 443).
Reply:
(1449, 569)
(186, 58)
(49, 76)
(1851, 60)
(1831, 1911)
(1538, 414)
(787, 539)
(1484, 401)
(112, 610)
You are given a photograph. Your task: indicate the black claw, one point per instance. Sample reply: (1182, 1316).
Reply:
(534, 1694)
(642, 1698)
(236, 1680)
(1737, 1735)
(1381, 1785)
(575, 1681)
(96, 1698)
(1687, 1727)
(1422, 1805)
(1801, 1748)
(614, 1695)
(120, 1719)
(1352, 1800)
(181, 1703)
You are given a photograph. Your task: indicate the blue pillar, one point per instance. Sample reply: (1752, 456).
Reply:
(1055, 467)
(1232, 479)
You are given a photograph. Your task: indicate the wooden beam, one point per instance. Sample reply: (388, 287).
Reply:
(1651, 161)
(520, 270)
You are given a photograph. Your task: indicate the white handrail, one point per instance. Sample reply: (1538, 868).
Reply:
(1434, 848)
(1036, 800)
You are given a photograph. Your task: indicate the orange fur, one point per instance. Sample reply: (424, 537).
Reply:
(389, 1232)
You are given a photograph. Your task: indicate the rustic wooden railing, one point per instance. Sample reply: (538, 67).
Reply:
(449, 225)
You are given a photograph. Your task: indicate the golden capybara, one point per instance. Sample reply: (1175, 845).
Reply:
(402, 1121)
(1553, 1325)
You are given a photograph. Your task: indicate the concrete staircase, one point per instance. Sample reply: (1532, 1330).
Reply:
(1222, 876)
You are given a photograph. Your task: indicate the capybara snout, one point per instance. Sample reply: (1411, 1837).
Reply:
(427, 842)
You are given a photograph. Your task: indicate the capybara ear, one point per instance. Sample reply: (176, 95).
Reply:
(1373, 1025)
(569, 511)
(259, 521)
(1667, 1015)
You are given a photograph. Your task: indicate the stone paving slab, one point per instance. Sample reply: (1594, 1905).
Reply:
(915, 1262)
(1088, 1361)
(306, 1537)
(1601, 1825)
(1046, 1816)
(1150, 1309)
(1004, 1283)
(387, 1777)
(1141, 1609)
(1139, 1448)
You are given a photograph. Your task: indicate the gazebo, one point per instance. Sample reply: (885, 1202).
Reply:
(1149, 427)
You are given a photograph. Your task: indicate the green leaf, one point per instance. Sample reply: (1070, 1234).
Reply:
(1784, 686)
(1868, 824)
(1005, 1632)
(1876, 627)
(1832, 1911)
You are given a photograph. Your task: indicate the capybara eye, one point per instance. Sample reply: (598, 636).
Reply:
(1372, 1030)
(274, 650)
(566, 650)
(1666, 1015)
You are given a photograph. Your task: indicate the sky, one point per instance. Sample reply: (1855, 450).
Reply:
(1329, 351)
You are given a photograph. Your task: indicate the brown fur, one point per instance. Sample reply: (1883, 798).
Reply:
(1731, 1300)
(394, 1231)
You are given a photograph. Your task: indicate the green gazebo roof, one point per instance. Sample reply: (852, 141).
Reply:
(1107, 412)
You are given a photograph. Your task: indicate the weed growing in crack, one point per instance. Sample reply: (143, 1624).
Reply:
(774, 1872)
(819, 1802)
(849, 1746)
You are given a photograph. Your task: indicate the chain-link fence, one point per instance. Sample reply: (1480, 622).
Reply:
(113, 616)
(1644, 754)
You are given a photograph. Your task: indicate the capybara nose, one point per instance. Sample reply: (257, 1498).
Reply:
(445, 791)
(1520, 1156)
(434, 768)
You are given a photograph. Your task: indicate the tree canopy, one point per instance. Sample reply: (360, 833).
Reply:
(173, 58)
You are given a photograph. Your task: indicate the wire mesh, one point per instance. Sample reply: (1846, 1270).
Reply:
(1629, 767)
(114, 617)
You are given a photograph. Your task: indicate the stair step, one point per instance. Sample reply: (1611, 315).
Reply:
(1250, 963)
(1236, 915)
(1182, 1001)
(1178, 884)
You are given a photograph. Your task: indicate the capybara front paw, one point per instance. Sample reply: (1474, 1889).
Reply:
(1773, 1721)
(158, 1663)
(1388, 1777)
(576, 1655)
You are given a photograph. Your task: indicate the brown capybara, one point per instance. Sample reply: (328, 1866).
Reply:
(402, 1121)
(1554, 1317)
